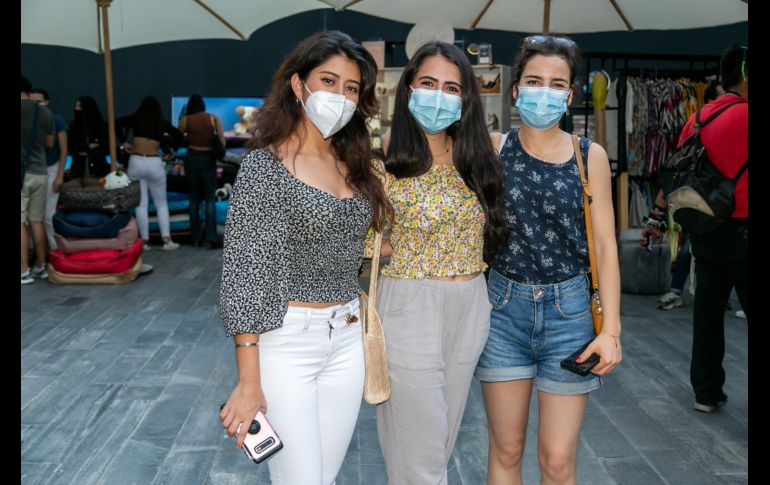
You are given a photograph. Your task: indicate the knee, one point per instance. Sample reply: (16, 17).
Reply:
(557, 466)
(507, 455)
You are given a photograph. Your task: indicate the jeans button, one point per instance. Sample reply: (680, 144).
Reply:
(539, 292)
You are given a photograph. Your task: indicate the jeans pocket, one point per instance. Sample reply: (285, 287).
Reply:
(573, 304)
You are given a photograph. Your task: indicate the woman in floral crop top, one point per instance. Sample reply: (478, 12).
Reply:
(445, 185)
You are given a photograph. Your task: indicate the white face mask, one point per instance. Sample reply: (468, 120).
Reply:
(329, 112)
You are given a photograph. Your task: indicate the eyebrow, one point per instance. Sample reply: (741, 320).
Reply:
(539, 78)
(338, 77)
(431, 78)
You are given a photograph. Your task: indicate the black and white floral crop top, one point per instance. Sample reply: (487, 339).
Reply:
(286, 240)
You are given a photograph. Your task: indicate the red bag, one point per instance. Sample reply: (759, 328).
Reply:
(97, 261)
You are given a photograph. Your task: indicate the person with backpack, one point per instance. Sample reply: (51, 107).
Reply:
(719, 176)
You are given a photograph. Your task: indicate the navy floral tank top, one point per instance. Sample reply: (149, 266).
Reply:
(544, 204)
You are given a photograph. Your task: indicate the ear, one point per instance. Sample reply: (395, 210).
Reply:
(515, 91)
(296, 85)
(569, 96)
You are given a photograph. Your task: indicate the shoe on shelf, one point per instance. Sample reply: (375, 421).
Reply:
(39, 272)
(170, 246)
(740, 314)
(670, 301)
(708, 408)
(26, 278)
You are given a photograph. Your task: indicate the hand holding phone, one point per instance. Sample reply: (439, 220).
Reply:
(261, 440)
(581, 368)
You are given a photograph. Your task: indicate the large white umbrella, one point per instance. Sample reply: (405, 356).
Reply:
(102, 25)
(558, 16)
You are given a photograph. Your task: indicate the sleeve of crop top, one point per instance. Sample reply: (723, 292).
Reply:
(385, 179)
(254, 291)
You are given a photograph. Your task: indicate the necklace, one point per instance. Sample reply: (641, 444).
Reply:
(442, 153)
(535, 153)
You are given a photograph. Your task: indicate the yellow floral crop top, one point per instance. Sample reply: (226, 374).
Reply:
(437, 227)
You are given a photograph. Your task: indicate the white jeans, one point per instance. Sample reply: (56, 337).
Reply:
(313, 380)
(151, 173)
(51, 199)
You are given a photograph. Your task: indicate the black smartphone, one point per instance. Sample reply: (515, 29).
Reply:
(582, 368)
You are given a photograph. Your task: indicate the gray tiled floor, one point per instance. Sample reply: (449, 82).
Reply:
(122, 385)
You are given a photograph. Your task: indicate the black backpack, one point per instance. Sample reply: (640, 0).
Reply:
(699, 196)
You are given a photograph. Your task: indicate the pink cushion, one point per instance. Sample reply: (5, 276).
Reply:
(97, 261)
(125, 239)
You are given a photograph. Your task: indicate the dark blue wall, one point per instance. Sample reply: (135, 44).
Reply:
(236, 68)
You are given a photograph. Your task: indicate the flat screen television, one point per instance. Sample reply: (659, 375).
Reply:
(234, 121)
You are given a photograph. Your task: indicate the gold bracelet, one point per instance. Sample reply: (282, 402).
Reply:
(247, 344)
(611, 335)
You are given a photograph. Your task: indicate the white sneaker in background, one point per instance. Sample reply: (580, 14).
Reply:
(740, 314)
(170, 246)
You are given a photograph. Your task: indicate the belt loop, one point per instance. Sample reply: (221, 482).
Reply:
(308, 317)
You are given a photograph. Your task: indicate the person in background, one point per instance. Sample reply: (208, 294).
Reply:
(151, 132)
(56, 158)
(37, 135)
(655, 226)
(200, 167)
(88, 141)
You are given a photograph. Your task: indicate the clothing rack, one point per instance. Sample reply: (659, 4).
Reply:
(619, 64)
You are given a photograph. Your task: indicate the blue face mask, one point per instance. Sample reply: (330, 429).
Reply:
(541, 107)
(434, 110)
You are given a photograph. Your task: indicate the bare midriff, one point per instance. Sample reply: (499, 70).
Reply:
(459, 277)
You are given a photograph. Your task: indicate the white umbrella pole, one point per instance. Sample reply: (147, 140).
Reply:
(546, 17)
(105, 4)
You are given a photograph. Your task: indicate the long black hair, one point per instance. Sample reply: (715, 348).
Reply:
(148, 116)
(281, 115)
(90, 118)
(475, 158)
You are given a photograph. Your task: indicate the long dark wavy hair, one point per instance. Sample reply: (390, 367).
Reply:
(281, 115)
(148, 116)
(408, 154)
(91, 117)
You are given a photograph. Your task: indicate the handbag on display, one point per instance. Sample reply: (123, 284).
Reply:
(376, 380)
(217, 149)
(596, 304)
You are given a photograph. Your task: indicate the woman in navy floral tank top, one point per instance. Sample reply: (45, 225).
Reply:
(539, 287)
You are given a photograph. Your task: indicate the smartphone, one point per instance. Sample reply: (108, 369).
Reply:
(581, 368)
(261, 440)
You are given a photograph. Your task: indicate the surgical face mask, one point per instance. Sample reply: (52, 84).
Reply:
(541, 107)
(434, 110)
(329, 112)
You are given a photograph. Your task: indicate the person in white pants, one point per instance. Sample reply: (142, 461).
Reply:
(151, 133)
(294, 240)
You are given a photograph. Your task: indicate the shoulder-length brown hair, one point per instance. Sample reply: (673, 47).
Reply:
(281, 114)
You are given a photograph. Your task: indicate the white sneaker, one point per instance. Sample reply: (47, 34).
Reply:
(146, 247)
(672, 301)
(39, 272)
(26, 278)
(170, 246)
(667, 296)
(740, 314)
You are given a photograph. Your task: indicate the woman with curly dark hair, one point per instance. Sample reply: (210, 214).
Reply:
(294, 240)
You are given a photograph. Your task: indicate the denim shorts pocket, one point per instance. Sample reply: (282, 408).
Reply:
(496, 298)
(573, 303)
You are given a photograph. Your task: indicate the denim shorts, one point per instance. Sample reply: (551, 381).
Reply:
(532, 329)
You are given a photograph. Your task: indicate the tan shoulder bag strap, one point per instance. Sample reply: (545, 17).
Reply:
(371, 307)
(587, 211)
